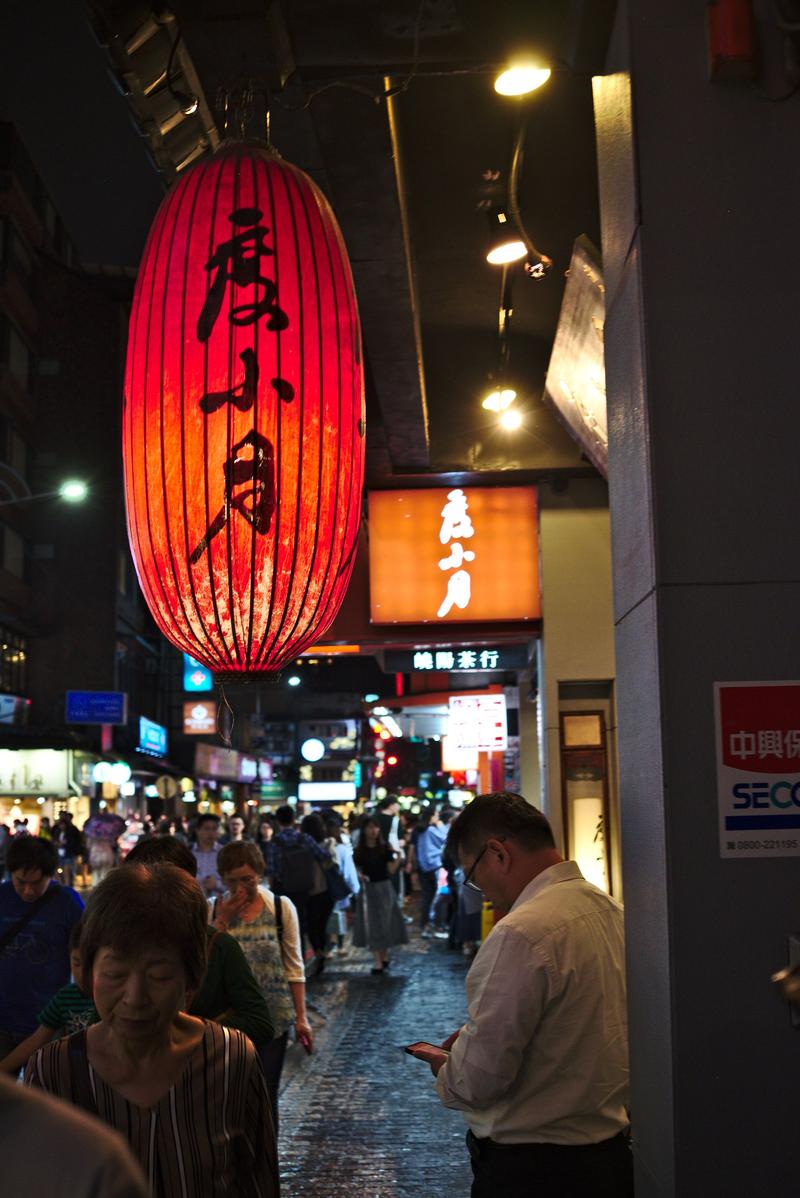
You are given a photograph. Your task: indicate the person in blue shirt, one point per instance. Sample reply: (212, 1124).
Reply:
(34, 957)
(429, 846)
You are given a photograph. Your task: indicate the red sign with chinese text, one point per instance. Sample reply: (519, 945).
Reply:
(760, 727)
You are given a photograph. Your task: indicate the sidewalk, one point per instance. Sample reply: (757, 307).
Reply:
(360, 1118)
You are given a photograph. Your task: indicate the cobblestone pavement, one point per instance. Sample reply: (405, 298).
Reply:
(360, 1118)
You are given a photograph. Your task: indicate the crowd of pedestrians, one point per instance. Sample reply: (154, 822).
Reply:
(164, 1007)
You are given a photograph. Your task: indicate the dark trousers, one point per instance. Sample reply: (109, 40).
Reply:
(428, 884)
(301, 906)
(271, 1056)
(602, 1170)
(318, 911)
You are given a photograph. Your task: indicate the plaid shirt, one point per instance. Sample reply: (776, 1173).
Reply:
(274, 853)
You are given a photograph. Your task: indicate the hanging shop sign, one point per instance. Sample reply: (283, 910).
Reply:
(326, 792)
(96, 707)
(243, 424)
(758, 768)
(196, 678)
(199, 717)
(478, 722)
(152, 738)
(14, 710)
(455, 661)
(212, 761)
(467, 554)
(576, 376)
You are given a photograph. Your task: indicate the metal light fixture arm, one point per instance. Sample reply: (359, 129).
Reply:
(539, 270)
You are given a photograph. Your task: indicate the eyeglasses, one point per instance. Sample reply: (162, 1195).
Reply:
(468, 876)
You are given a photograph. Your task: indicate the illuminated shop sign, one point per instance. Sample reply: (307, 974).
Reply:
(461, 554)
(152, 738)
(478, 722)
(96, 707)
(199, 717)
(196, 677)
(454, 661)
(35, 772)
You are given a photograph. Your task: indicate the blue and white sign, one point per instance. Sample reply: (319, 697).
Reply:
(96, 707)
(152, 737)
(196, 677)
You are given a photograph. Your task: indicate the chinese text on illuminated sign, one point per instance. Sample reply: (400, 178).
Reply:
(478, 722)
(449, 555)
(501, 657)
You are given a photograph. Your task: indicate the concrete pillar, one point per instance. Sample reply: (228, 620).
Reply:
(700, 191)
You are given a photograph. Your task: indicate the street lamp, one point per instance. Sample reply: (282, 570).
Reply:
(72, 491)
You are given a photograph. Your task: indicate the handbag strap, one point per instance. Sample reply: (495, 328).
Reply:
(279, 918)
(16, 928)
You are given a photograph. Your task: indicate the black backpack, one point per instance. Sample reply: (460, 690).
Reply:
(297, 868)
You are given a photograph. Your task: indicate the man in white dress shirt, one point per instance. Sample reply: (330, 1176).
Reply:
(540, 1068)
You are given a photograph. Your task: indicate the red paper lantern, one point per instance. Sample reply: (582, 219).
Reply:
(243, 426)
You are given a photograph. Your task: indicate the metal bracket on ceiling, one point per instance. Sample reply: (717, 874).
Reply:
(152, 68)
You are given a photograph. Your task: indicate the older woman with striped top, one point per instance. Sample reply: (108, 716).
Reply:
(187, 1094)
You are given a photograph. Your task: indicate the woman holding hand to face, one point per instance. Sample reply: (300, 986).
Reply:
(187, 1094)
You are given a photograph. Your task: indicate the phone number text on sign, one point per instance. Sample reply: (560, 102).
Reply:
(758, 768)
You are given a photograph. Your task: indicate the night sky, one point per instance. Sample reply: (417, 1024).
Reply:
(55, 87)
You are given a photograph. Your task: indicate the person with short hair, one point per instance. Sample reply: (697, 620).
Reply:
(37, 916)
(540, 1068)
(206, 850)
(187, 1094)
(267, 928)
(69, 843)
(237, 831)
(229, 992)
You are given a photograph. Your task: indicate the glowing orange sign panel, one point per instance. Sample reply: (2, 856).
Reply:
(450, 555)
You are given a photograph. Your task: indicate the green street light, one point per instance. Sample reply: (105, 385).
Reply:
(73, 490)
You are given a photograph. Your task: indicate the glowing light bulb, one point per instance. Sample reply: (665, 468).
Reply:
(506, 251)
(521, 79)
(511, 420)
(499, 400)
(73, 490)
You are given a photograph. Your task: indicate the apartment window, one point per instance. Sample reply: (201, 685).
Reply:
(13, 662)
(13, 557)
(16, 354)
(17, 453)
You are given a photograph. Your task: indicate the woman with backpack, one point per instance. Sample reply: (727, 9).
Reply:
(268, 931)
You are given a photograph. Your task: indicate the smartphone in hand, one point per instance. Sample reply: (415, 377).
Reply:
(411, 1048)
(305, 1040)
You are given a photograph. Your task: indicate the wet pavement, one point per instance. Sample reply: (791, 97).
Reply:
(360, 1118)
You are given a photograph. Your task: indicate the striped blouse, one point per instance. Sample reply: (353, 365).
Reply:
(211, 1133)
